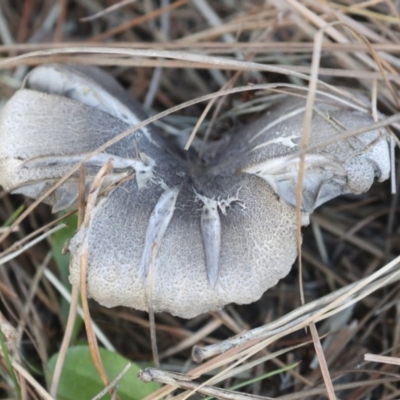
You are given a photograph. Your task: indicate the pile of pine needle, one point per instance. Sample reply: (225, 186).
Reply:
(344, 342)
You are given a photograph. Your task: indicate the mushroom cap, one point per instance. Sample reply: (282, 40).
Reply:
(180, 235)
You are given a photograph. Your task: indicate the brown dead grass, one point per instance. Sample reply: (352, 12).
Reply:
(175, 52)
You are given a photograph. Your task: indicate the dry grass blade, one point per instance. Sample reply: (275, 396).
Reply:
(30, 244)
(304, 145)
(343, 299)
(108, 10)
(139, 20)
(94, 349)
(185, 57)
(322, 391)
(114, 383)
(382, 359)
(68, 297)
(153, 333)
(65, 343)
(151, 374)
(18, 244)
(309, 312)
(175, 55)
(74, 299)
(211, 47)
(322, 362)
(35, 384)
(225, 375)
(193, 339)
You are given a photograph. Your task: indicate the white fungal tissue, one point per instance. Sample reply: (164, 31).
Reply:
(158, 224)
(211, 232)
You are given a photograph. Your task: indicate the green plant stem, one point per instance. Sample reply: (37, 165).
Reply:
(10, 368)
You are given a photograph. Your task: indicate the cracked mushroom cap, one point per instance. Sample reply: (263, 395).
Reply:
(212, 231)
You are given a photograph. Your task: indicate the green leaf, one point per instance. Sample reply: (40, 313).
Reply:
(14, 216)
(59, 239)
(62, 261)
(7, 359)
(80, 379)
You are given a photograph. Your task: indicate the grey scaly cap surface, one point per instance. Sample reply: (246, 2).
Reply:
(218, 233)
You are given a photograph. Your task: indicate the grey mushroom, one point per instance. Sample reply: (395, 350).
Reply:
(216, 233)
